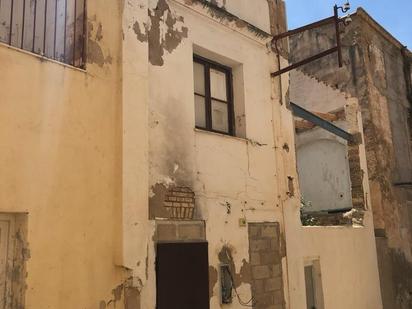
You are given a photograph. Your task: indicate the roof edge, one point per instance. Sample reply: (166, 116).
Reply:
(361, 12)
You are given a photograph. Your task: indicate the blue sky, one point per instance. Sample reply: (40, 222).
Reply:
(395, 16)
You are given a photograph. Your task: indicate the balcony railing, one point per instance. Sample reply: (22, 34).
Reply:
(52, 28)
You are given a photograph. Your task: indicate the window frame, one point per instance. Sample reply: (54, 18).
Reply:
(209, 64)
(54, 30)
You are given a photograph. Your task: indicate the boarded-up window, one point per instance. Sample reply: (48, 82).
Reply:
(52, 28)
(324, 172)
(182, 276)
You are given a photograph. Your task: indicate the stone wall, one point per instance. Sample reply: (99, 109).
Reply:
(180, 231)
(265, 259)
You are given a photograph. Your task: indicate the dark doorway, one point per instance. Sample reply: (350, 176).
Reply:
(182, 276)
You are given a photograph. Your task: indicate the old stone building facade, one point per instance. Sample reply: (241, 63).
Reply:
(149, 161)
(375, 76)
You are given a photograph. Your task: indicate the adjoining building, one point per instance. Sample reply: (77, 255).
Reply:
(375, 81)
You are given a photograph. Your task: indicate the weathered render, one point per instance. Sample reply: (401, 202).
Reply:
(376, 77)
(102, 164)
(227, 179)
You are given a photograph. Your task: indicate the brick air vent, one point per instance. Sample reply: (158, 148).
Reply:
(180, 203)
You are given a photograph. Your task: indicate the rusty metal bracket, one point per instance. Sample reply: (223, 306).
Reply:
(338, 48)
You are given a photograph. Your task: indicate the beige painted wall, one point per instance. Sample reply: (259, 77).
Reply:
(61, 158)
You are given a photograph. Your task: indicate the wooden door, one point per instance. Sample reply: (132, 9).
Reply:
(182, 276)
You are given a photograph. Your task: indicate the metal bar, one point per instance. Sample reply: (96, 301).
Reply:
(83, 62)
(402, 184)
(55, 30)
(231, 111)
(338, 42)
(74, 30)
(65, 31)
(305, 61)
(45, 27)
(22, 27)
(328, 126)
(319, 23)
(34, 24)
(208, 100)
(11, 21)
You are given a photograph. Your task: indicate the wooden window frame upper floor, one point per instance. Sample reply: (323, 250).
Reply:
(208, 64)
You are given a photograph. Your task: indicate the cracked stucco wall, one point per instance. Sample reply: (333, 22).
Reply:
(232, 178)
(372, 74)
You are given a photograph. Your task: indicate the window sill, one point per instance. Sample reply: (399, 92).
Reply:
(42, 58)
(353, 217)
(202, 131)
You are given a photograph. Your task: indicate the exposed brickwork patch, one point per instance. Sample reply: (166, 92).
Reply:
(177, 203)
(180, 202)
(356, 177)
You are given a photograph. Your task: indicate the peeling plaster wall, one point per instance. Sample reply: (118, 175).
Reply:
(232, 178)
(253, 178)
(61, 139)
(242, 9)
(373, 74)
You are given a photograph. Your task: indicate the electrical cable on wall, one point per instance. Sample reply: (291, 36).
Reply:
(250, 303)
